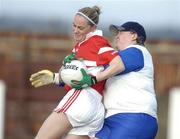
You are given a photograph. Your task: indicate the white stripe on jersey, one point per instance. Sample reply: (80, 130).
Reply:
(105, 49)
(89, 63)
(73, 50)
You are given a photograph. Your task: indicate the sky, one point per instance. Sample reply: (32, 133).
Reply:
(153, 14)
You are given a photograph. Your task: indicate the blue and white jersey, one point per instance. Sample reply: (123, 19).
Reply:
(132, 91)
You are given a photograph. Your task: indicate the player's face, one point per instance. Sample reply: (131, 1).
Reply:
(124, 39)
(81, 28)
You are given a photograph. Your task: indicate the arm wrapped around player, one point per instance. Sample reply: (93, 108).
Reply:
(86, 81)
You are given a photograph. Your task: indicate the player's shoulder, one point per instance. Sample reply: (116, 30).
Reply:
(99, 40)
(140, 47)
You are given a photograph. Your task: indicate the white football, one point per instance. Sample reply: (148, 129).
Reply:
(72, 71)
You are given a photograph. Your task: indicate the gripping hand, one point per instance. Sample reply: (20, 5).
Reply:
(86, 81)
(69, 58)
(41, 78)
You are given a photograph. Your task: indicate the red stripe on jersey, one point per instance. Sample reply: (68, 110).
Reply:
(70, 101)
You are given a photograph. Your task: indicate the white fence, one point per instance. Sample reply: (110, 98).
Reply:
(174, 114)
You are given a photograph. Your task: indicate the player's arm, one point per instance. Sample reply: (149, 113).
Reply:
(131, 59)
(45, 77)
(110, 56)
(128, 60)
(115, 66)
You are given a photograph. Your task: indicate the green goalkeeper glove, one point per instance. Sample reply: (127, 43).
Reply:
(69, 58)
(41, 78)
(86, 81)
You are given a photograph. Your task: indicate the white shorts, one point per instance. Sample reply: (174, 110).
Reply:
(84, 110)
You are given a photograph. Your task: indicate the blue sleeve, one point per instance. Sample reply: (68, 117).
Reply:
(132, 58)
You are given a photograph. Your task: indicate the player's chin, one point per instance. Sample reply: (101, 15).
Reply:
(78, 38)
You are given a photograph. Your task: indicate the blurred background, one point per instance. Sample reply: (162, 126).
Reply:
(36, 34)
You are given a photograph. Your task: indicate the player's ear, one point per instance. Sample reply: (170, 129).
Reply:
(93, 28)
(134, 36)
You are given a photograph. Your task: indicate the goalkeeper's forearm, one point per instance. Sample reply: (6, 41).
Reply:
(115, 66)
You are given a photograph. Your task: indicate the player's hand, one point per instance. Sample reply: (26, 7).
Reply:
(69, 58)
(41, 78)
(86, 81)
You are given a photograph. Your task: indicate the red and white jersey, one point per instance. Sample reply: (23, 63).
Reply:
(95, 52)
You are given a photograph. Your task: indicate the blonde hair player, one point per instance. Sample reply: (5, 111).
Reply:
(80, 114)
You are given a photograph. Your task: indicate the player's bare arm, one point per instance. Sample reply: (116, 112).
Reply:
(115, 66)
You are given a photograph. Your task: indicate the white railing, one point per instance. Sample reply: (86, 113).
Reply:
(2, 108)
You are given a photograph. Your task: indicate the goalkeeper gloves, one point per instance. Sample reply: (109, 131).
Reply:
(69, 58)
(43, 77)
(86, 81)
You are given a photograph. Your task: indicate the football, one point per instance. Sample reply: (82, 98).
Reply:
(72, 71)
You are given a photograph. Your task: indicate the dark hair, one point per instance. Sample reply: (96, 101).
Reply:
(93, 13)
(140, 40)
